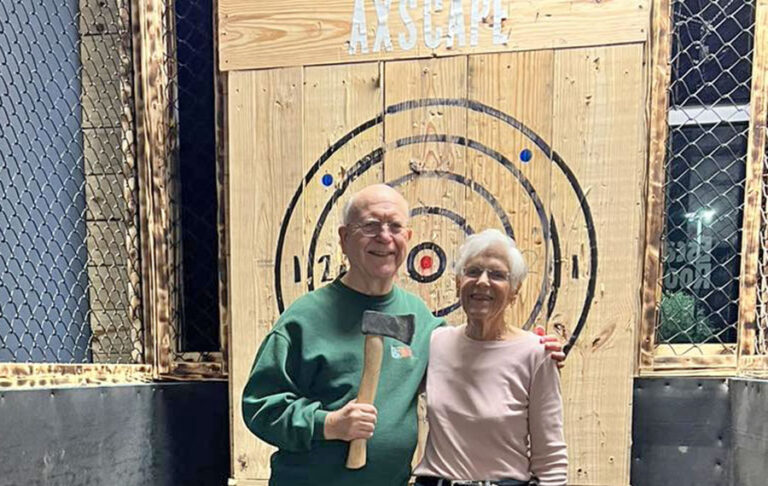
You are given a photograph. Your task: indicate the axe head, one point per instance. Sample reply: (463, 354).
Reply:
(397, 327)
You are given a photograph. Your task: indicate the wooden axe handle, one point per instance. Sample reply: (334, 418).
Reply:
(374, 350)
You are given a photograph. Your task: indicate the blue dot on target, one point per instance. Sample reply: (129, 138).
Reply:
(526, 155)
(327, 180)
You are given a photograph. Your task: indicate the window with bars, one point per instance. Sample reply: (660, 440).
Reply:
(194, 202)
(712, 47)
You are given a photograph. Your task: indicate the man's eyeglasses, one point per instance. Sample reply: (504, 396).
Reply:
(495, 275)
(374, 227)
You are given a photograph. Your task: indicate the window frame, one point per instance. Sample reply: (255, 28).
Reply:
(743, 360)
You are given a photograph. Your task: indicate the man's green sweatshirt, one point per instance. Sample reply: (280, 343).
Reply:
(310, 364)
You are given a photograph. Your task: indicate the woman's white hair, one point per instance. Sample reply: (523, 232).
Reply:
(479, 242)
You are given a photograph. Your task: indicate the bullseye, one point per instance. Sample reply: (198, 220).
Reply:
(426, 262)
(426, 252)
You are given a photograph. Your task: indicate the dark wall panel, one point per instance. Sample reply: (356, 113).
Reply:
(681, 432)
(156, 434)
(749, 406)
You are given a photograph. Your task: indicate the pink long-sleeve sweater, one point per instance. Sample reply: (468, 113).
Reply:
(485, 399)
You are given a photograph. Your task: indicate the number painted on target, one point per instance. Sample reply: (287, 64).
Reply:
(324, 260)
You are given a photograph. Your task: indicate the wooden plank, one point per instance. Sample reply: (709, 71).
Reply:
(273, 33)
(753, 186)
(106, 243)
(27, 376)
(676, 370)
(101, 101)
(753, 363)
(336, 100)
(270, 159)
(420, 80)
(195, 357)
(707, 349)
(599, 131)
(247, 482)
(169, 338)
(222, 196)
(661, 45)
(407, 81)
(519, 85)
(186, 371)
(153, 153)
(692, 362)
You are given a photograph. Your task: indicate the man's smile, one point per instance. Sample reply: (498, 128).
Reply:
(381, 253)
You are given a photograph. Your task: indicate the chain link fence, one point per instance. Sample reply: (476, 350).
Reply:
(70, 266)
(705, 174)
(69, 250)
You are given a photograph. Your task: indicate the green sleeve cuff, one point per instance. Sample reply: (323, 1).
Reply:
(318, 431)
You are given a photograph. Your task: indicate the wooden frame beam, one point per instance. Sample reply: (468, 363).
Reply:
(222, 192)
(660, 44)
(156, 66)
(152, 127)
(753, 187)
(27, 375)
(723, 360)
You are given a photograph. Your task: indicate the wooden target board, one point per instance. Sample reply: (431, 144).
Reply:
(548, 146)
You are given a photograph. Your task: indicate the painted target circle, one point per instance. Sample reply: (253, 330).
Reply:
(548, 289)
(432, 259)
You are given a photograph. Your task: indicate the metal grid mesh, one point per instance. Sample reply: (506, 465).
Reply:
(69, 265)
(705, 173)
(194, 251)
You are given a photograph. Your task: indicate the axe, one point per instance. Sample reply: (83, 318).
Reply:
(376, 325)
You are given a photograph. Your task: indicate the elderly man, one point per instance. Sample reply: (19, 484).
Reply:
(301, 393)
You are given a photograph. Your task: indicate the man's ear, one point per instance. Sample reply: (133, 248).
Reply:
(343, 232)
(408, 234)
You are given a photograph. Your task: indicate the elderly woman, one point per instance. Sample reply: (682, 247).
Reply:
(493, 395)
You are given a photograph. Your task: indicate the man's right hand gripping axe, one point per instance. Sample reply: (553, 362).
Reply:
(375, 326)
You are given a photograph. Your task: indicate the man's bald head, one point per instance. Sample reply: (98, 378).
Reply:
(373, 194)
(374, 237)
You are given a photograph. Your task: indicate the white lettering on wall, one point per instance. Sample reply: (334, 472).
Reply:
(382, 30)
(476, 15)
(408, 43)
(430, 40)
(499, 14)
(453, 27)
(456, 25)
(358, 35)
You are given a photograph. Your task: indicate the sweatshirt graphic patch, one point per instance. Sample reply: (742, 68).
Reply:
(400, 352)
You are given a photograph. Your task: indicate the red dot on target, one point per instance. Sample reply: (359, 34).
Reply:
(426, 262)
